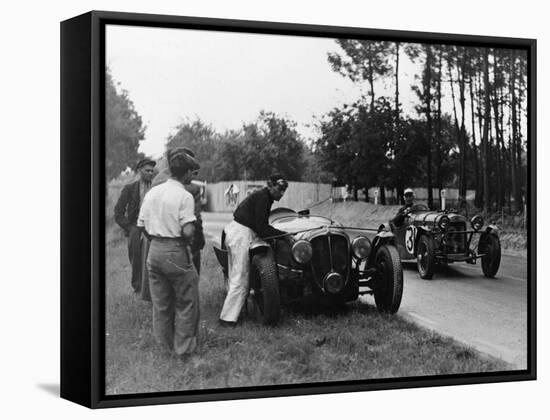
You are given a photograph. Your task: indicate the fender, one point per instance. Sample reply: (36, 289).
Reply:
(381, 238)
(421, 230)
(258, 246)
(385, 227)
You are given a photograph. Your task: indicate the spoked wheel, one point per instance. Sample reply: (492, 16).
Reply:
(389, 288)
(425, 257)
(490, 246)
(265, 285)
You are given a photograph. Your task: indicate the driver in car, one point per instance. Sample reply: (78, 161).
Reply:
(250, 220)
(399, 218)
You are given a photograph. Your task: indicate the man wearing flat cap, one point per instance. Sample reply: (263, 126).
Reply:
(408, 197)
(167, 216)
(250, 221)
(198, 240)
(126, 214)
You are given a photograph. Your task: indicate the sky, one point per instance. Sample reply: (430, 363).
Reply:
(226, 79)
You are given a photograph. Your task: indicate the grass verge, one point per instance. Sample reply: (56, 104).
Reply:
(310, 345)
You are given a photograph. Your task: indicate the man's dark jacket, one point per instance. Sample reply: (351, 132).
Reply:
(253, 212)
(399, 218)
(127, 206)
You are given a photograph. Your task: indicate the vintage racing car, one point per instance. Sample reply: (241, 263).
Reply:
(324, 263)
(433, 237)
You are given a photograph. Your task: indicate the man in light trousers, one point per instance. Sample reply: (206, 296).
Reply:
(167, 215)
(250, 221)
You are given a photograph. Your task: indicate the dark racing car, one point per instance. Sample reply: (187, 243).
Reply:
(444, 237)
(325, 263)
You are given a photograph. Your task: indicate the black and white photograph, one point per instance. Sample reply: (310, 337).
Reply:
(275, 210)
(285, 209)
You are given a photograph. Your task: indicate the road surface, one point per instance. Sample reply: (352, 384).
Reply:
(487, 314)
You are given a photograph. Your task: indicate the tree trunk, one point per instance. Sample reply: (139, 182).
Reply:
(461, 85)
(439, 180)
(474, 145)
(498, 133)
(428, 96)
(485, 138)
(397, 87)
(371, 78)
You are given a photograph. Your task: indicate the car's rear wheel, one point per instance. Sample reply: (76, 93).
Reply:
(265, 284)
(425, 257)
(489, 245)
(389, 287)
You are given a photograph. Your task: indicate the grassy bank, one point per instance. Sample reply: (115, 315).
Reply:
(310, 345)
(513, 238)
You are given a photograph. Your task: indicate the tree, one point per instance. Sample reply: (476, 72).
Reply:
(202, 139)
(123, 130)
(272, 144)
(355, 143)
(485, 138)
(424, 93)
(364, 60)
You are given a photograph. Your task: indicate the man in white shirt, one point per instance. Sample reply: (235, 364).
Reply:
(167, 216)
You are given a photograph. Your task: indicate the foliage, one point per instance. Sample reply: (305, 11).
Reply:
(202, 139)
(269, 144)
(481, 146)
(123, 130)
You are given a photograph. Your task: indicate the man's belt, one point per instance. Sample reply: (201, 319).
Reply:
(166, 238)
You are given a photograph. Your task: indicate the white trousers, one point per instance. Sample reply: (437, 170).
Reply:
(237, 240)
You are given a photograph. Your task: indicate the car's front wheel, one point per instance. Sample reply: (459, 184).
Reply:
(489, 245)
(425, 257)
(389, 287)
(265, 284)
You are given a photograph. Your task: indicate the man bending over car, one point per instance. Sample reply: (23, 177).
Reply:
(250, 221)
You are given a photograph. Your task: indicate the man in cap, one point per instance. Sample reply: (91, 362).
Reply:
(198, 241)
(250, 220)
(408, 197)
(167, 216)
(126, 214)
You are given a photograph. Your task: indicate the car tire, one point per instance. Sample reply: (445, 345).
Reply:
(389, 289)
(265, 281)
(489, 245)
(425, 257)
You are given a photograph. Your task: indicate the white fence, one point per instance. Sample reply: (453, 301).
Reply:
(421, 194)
(225, 196)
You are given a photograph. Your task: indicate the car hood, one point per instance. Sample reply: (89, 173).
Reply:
(297, 223)
(432, 216)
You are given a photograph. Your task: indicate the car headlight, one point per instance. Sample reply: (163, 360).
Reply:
(360, 247)
(443, 222)
(476, 222)
(302, 251)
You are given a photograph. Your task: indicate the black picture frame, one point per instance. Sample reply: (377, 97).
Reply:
(83, 208)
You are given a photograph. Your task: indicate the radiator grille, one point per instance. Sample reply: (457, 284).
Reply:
(322, 261)
(455, 243)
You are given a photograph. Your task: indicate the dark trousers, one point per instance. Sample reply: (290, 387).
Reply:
(197, 260)
(174, 286)
(134, 255)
